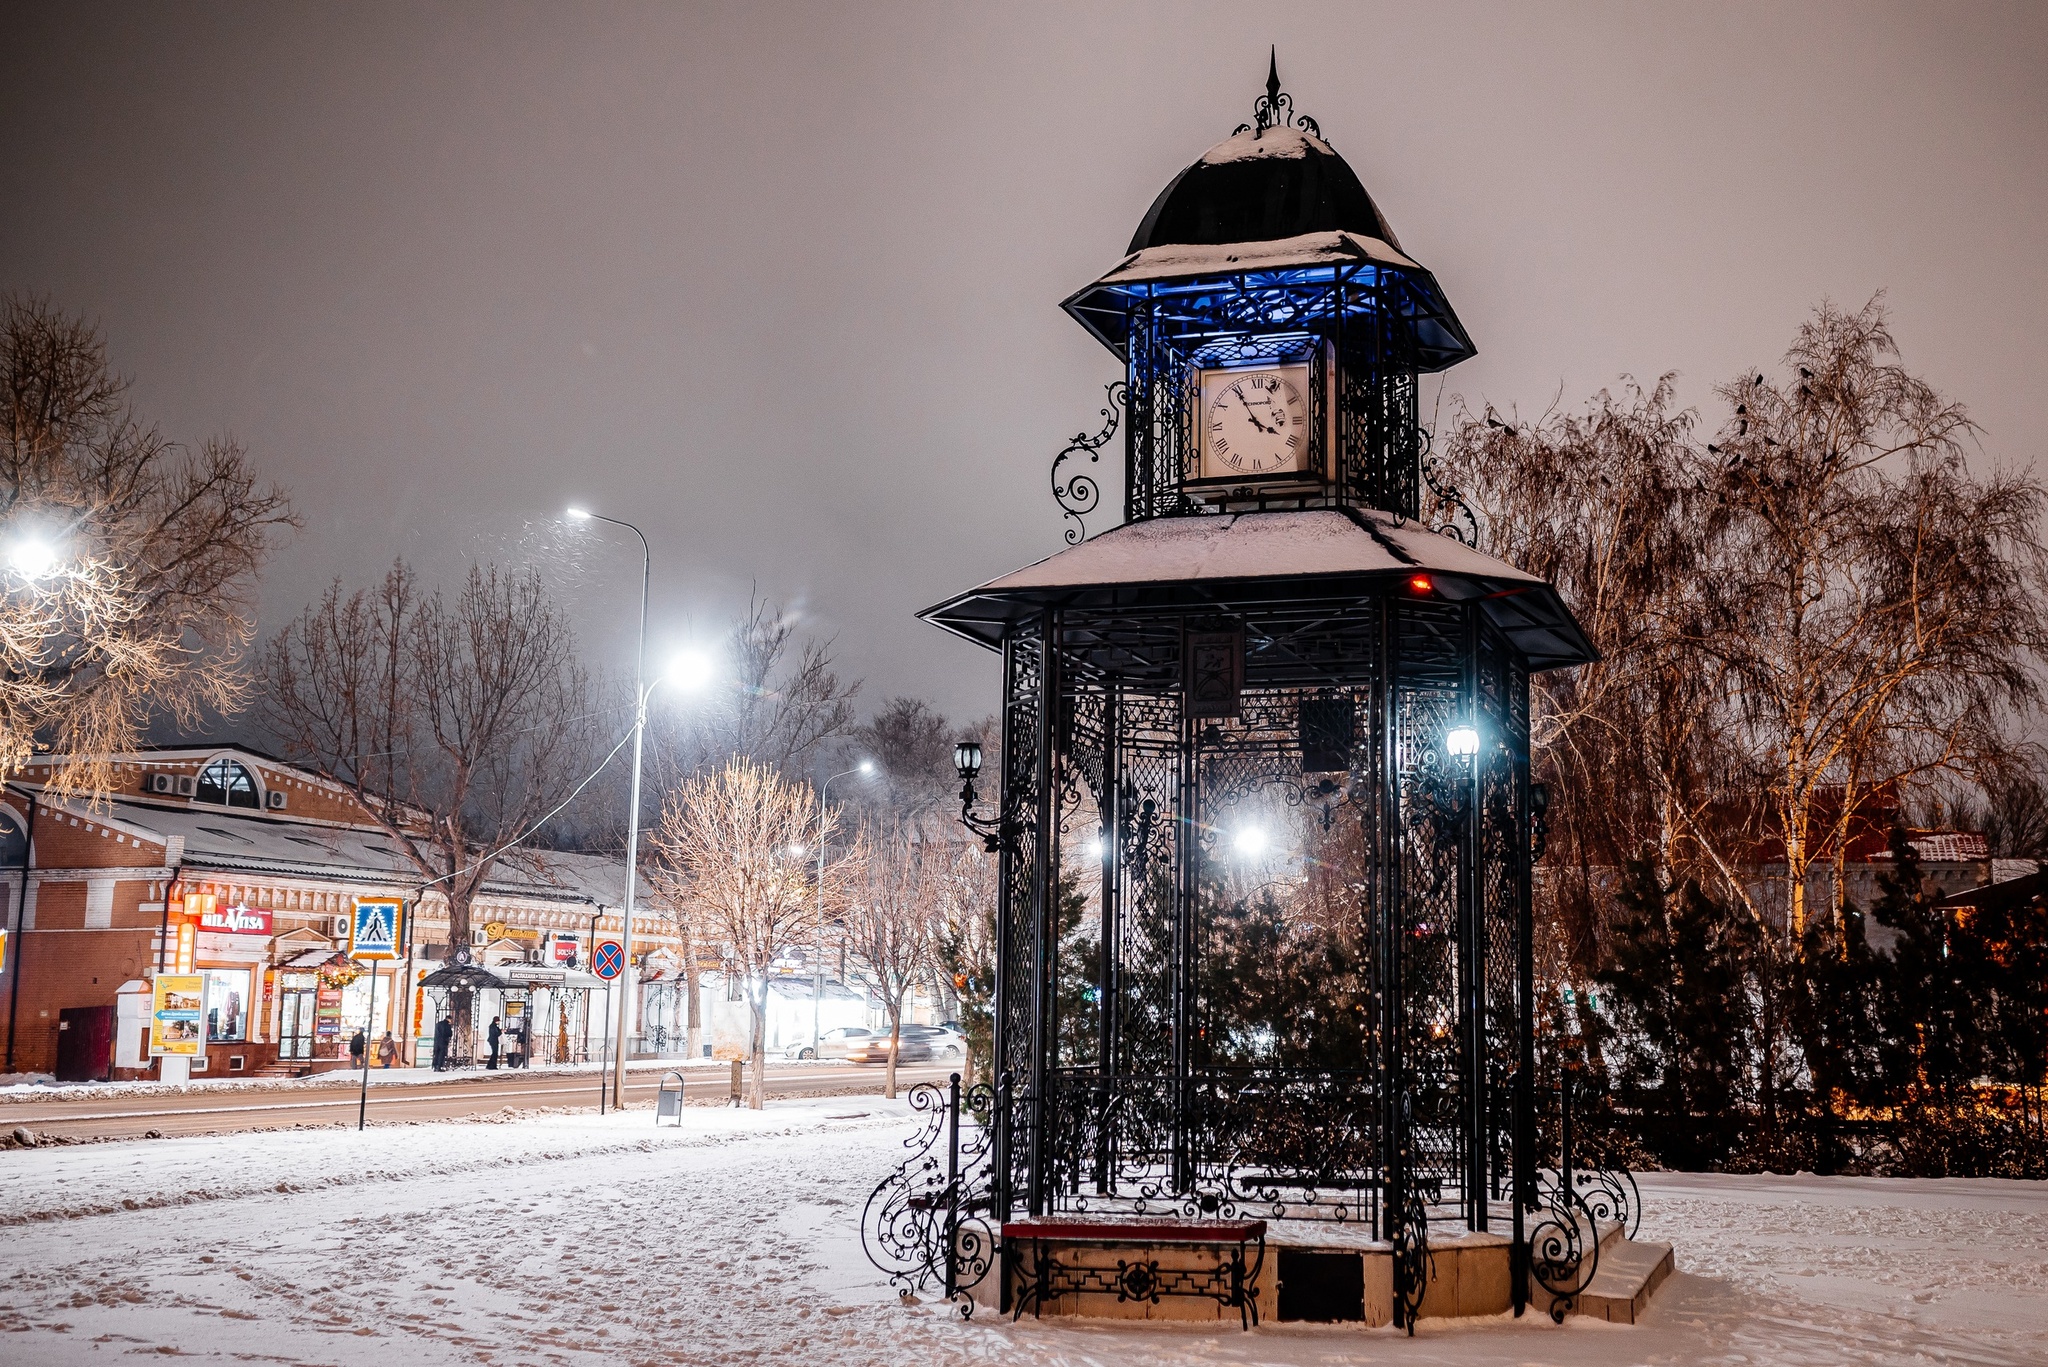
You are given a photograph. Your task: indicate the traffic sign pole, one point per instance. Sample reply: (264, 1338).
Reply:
(363, 1107)
(607, 960)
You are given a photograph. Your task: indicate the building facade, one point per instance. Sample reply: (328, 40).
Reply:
(260, 862)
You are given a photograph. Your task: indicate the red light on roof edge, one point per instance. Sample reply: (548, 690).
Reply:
(1420, 583)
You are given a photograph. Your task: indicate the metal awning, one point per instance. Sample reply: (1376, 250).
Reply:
(464, 975)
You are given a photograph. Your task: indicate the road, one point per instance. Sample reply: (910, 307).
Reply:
(471, 1094)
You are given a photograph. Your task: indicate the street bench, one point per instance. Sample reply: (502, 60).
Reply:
(1046, 1259)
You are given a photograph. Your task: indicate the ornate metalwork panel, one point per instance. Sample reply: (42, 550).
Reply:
(1270, 963)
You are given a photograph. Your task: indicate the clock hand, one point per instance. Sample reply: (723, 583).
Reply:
(1255, 420)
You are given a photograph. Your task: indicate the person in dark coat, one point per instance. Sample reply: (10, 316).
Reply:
(444, 1035)
(358, 1043)
(494, 1034)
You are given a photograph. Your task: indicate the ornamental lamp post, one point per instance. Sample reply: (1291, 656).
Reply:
(865, 769)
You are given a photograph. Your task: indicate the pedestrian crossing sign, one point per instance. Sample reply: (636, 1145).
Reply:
(374, 929)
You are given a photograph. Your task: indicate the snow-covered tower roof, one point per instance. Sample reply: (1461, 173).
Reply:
(1273, 198)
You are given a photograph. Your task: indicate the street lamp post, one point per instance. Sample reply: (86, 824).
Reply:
(640, 692)
(864, 768)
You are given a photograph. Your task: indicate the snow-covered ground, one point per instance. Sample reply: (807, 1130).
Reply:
(575, 1239)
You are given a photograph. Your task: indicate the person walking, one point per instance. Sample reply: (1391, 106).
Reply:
(387, 1051)
(357, 1044)
(495, 1034)
(444, 1035)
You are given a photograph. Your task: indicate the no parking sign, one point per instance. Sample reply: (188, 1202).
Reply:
(609, 960)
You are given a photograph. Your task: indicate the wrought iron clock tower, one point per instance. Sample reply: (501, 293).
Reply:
(1271, 735)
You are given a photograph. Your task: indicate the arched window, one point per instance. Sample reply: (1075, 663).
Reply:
(228, 784)
(13, 842)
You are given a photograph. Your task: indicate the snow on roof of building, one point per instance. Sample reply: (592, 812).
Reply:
(1944, 847)
(228, 840)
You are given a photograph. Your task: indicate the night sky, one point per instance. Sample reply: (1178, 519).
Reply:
(780, 283)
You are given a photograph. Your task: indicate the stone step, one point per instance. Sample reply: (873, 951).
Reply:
(1629, 1273)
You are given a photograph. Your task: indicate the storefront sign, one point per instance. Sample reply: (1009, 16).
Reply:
(374, 929)
(236, 920)
(177, 1026)
(187, 951)
(327, 1012)
(565, 949)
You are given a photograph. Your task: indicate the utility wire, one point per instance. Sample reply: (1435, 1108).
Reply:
(574, 793)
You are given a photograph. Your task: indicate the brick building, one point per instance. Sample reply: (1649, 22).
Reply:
(274, 856)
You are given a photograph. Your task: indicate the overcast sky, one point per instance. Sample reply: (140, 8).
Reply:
(780, 283)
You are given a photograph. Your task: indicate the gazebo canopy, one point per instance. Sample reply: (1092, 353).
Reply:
(1206, 563)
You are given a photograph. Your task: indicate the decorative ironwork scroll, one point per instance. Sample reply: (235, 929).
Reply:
(1564, 1250)
(1448, 514)
(1275, 108)
(1079, 494)
(927, 1223)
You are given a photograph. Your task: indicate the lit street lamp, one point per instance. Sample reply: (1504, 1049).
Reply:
(865, 768)
(640, 693)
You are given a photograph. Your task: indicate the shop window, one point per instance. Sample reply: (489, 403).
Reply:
(228, 784)
(227, 1004)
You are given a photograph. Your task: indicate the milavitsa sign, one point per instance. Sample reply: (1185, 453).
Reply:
(236, 920)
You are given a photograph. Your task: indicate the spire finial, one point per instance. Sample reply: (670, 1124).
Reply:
(1275, 109)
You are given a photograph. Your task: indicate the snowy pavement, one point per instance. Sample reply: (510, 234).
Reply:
(573, 1239)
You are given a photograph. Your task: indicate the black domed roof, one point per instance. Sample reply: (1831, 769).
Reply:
(1261, 185)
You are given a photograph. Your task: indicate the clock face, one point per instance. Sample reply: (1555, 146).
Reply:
(1255, 422)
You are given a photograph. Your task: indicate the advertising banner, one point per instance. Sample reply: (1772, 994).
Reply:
(375, 928)
(177, 1016)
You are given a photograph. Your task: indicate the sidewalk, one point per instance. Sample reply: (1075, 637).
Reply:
(379, 1077)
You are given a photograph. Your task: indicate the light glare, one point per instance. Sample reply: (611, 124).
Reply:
(32, 557)
(579, 514)
(691, 671)
(1463, 740)
(1250, 842)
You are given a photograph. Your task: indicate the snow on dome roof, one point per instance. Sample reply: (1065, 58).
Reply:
(1260, 184)
(1252, 144)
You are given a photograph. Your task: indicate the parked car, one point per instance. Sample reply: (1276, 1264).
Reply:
(912, 1048)
(834, 1043)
